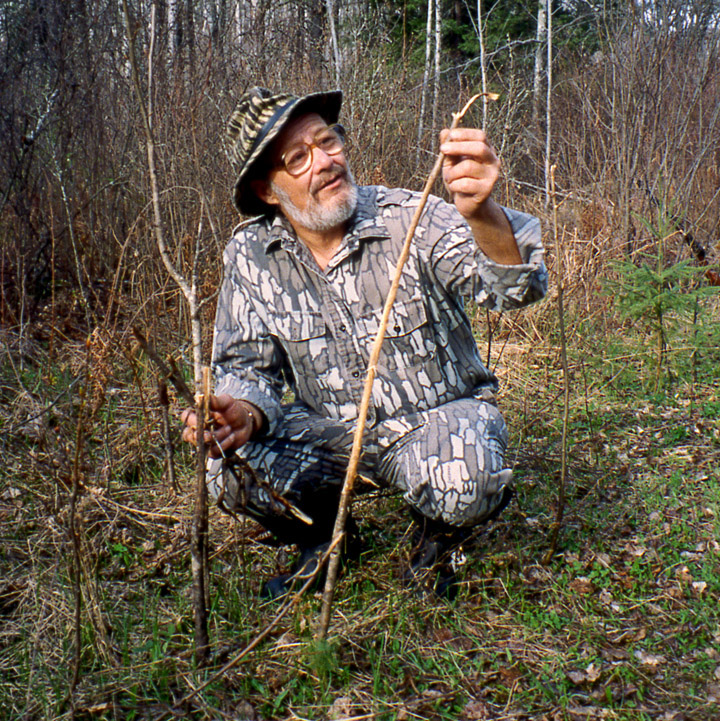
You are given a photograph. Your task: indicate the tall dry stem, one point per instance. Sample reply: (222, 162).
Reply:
(198, 548)
(560, 281)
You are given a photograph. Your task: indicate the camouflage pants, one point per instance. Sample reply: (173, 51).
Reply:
(448, 462)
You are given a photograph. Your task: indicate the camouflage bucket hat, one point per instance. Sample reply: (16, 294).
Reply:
(257, 120)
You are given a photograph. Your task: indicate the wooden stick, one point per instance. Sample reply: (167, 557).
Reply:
(286, 606)
(168, 446)
(344, 505)
(560, 284)
(168, 372)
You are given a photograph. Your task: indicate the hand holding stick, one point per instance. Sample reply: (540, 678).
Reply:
(345, 496)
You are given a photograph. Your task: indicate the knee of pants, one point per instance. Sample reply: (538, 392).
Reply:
(451, 468)
(451, 494)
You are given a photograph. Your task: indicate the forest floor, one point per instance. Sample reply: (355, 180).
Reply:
(622, 623)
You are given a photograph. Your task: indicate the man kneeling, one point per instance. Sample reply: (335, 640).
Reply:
(303, 292)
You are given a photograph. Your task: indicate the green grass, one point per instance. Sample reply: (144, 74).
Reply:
(623, 623)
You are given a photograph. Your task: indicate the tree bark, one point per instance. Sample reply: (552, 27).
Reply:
(548, 105)
(540, 53)
(436, 75)
(426, 77)
(337, 60)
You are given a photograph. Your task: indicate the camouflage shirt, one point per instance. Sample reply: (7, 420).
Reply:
(281, 319)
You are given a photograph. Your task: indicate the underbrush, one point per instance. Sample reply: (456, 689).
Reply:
(623, 622)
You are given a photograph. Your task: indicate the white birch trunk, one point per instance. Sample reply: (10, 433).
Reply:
(337, 60)
(483, 62)
(540, 35)
(548, 105)
(436, 75)
(426, 76)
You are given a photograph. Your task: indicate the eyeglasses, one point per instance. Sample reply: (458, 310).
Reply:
(298, 159)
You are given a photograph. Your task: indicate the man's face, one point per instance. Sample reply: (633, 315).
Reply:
(321, 198)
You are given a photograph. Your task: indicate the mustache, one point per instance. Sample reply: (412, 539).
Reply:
(327, 177)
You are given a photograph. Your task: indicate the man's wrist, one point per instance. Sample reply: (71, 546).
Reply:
(494, 235)
(256, 417)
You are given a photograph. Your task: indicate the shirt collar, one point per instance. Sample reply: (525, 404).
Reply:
(365, 224)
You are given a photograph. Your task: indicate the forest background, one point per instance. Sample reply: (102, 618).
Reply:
(612, 391)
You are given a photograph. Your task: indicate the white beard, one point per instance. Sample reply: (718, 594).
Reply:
(316, 217)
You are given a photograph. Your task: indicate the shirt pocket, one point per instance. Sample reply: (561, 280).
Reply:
(303, 336)
(408, 341)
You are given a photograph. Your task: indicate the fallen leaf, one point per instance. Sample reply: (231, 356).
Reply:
(476, 711)
(649, 659)
(341, 708)
(634, 550)
(509, 675)
(603, 559)
(684, 574)
(245, 712)
(614, 654)
(577, 677)
(589, 675)
(589, 712)
(581, 585)
(699, 587)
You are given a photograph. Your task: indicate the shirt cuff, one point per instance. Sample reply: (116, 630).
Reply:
(252, 393)
(517, 285)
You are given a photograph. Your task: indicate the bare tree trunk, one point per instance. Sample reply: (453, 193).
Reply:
(426, 76)
(198, 546)
(190, 37)
(540, 36)
(436, 76)
(175, 27)
(483, 61)
(337, 60)
(548, 106)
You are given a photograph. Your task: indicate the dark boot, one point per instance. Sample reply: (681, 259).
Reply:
(434, 557)
(307, 563)
(437, 550)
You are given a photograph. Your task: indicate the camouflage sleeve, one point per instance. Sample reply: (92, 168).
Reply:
(518, 285)
(464, 269)
(247, 364)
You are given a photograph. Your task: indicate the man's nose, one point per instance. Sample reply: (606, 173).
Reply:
(321, 160)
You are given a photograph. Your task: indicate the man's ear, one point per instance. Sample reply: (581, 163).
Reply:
(262, 190)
